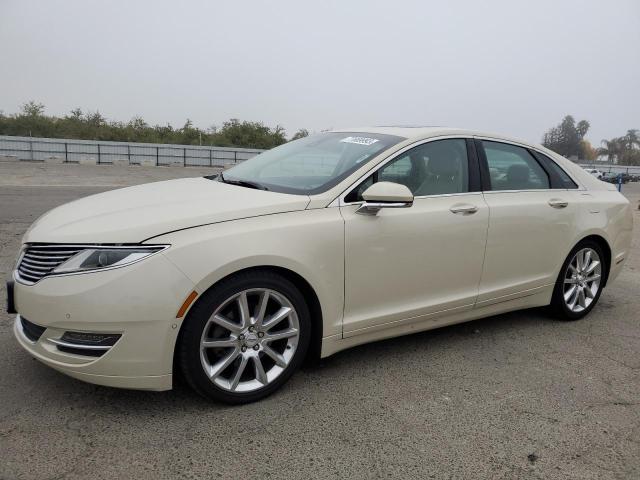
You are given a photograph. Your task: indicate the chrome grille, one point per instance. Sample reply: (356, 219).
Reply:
(38, 260)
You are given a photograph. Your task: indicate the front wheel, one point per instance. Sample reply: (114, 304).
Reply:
(580, 281)
(245, 337)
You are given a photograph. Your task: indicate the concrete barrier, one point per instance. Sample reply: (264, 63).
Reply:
(54, 160)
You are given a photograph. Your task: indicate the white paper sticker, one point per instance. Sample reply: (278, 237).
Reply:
(360, 140)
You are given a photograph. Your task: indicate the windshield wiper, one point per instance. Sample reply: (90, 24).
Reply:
(242, 183)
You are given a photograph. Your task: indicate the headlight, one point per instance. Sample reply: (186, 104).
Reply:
(105, 257)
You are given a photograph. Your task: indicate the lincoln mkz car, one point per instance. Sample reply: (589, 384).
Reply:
(327, 242)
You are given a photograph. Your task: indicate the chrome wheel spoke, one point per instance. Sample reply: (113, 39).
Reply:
(275, 356)
(569, 294)
(219, 367)
(574, 299)
(222, 343)
(589, 293)
(238, 374)
(593, 278)
(226, 323)
(261, 375)
(582, 298)
(276, 318)
(572, 281)
(592, 267)
(243, 306)
(272, 337)
(262, 308)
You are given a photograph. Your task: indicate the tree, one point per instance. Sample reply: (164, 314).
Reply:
(611, 149)
(31, 121)
(582, 128)
(631, 139)
(303, 132)
(137, 123)
(628, 153)
(588, 152)
(235, 133)
(630, 157)
(32, 109)
(566, 138)
(76, 114)
(95, 119)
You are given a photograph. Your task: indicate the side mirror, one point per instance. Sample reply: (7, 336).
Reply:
(385, 195)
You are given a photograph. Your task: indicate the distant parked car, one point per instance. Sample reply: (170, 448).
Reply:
(595, 172)
(612, 177)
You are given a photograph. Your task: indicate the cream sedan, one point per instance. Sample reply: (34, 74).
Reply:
(318, 245)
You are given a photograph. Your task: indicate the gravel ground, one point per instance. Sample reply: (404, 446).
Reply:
(513, 396)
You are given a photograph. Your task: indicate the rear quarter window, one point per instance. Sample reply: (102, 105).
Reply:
(558, 172)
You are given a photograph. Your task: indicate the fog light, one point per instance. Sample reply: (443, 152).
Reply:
(91, 339)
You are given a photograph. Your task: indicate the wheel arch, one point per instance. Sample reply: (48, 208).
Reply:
(307, 291)
(606, 249)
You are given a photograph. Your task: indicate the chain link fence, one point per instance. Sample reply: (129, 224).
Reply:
(121, 153)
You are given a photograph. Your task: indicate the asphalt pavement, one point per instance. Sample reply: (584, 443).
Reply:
(519, 395)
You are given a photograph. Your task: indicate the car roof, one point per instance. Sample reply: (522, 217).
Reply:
(421, 132)
(417, 133)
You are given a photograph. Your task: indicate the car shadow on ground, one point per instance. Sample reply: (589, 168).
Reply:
(390, 352)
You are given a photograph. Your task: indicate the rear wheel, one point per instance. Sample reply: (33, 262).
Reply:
(580, 282)
(245, 337)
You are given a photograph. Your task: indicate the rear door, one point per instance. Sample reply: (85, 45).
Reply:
(530, 222)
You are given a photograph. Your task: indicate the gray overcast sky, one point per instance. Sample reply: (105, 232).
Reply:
(513, 67)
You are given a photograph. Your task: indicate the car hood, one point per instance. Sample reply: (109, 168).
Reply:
(133, 214)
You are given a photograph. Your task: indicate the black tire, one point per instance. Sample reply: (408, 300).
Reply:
(558, 307)
(188, 348)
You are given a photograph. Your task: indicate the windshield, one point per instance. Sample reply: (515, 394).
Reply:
(310, 165)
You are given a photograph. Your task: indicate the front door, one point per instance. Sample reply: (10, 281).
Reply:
(407, 263)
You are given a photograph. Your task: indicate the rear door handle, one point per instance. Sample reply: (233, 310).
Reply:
(464, 209)
(558, 203)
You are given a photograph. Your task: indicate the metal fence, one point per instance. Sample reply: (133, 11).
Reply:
(89, 151)
(609, 167)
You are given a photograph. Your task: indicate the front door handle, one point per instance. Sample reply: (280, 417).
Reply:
(464, 209)
(558, 203)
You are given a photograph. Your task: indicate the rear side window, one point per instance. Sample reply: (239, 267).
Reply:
(562, 178)
(513, 168)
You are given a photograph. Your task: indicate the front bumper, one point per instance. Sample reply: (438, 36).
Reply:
(138, 302)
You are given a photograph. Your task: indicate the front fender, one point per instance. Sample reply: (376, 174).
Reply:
(309, 243)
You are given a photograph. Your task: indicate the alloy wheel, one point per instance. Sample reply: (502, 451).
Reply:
(249, 340)
(582, 280)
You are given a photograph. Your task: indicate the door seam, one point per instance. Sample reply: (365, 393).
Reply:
(484, 254)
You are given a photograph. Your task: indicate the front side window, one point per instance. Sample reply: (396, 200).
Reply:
(434, 168)
(513, 168)
(312, 164)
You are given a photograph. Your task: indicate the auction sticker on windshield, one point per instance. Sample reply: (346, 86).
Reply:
(360, 140)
